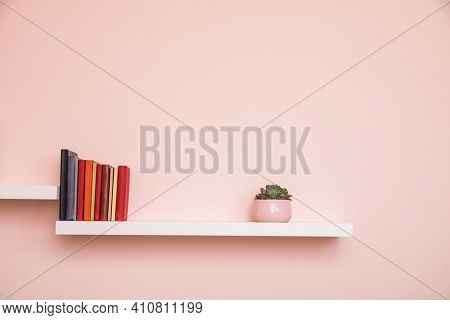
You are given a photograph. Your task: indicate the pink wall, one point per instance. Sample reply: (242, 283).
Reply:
(379, 147)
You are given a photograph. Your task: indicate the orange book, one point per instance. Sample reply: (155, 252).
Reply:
(88, 189)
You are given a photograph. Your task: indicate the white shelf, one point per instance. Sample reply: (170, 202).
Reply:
(29, 193)
(225, 229)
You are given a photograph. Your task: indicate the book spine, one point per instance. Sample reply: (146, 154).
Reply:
(80, 192)
(75, 195)
(88, 190)
(104, 193)
(127, 195)
(114, 195)
(98, 192)
(63, 184)
(71, 187)
(94, 184)
(111, 185)
(123, 184)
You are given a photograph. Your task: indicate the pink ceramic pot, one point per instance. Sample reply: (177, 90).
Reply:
(272, 210)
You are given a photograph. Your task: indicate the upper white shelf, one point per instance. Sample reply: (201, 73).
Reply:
(219, 229)
(29, 192)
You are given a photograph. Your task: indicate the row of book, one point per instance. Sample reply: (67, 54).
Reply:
(90, 191)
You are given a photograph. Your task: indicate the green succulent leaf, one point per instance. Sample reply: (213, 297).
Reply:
(273, 192)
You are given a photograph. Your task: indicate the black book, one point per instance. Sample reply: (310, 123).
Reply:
(63, 184)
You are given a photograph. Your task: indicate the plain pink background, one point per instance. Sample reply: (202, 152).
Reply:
(379, 147)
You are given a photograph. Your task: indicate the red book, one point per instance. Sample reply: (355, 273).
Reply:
(98, 190)
(80, 190)
(123, 192)
(88, 190)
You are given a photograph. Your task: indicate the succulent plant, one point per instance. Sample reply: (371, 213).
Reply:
(273, 192)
